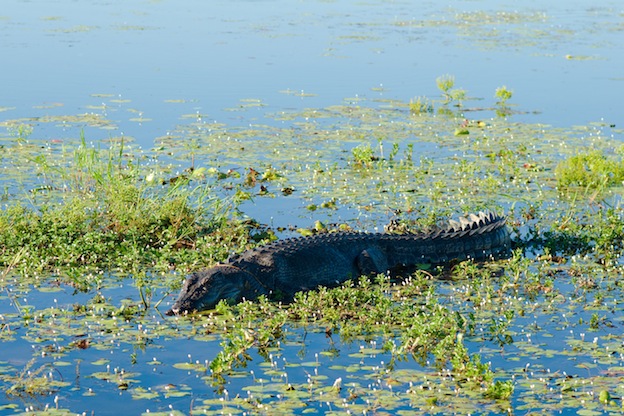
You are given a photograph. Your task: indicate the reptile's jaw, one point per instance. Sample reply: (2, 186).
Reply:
(204, 291)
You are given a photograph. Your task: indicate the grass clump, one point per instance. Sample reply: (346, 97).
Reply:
(363, 155)
(420, 105)
(112, 230)
(599, 233)
(110, 215)
(445, 84)
(33, 381)
(503, 95)
(591, 170)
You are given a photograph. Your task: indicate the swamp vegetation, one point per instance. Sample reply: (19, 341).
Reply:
(141, 140)
(96, 239)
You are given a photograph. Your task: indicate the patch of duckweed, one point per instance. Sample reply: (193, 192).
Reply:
(580, 57)
(299, 93)
(500, 28)
(76, 29)
(484, 17)
(134, 28)
(89, 119)
(49, 105)
(247, 103)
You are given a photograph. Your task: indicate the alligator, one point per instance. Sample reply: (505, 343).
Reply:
(296, 264)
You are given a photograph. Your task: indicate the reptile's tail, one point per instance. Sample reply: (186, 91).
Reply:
(481, 223)
(477, 236)
(484, 235)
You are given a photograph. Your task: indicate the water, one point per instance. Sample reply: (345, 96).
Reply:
(148, 65)
(215, 54)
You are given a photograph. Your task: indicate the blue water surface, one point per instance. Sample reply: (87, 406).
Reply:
(561, 59)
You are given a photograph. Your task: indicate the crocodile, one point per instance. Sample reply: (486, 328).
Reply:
(296, 264)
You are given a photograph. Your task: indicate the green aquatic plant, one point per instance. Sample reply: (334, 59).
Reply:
(445, 84)
(31, 381)
(420, 105)
(592, 170)
(363, 155)
(500, 390)
(469, 368)
(122, 226)
(459, 95)
(503, 95)
(21, 132)
(604, 397)
(597, 232)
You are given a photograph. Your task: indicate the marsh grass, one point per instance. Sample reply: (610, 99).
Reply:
(503, 94)
(34, 381)
(445, 84)
(420, 105)
(591, 170)
(405, 313)
(106, 211)
(404, 316)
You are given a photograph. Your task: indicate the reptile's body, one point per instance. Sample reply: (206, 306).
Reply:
(296, 264)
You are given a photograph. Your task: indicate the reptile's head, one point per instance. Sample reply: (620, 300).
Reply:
(204, 289)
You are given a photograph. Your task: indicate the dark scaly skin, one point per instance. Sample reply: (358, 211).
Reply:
(304, 263)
